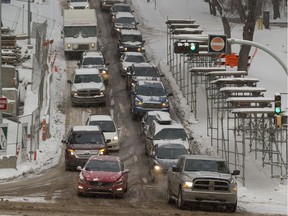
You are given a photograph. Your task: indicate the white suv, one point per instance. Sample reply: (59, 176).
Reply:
(87, 87)
(108, 126)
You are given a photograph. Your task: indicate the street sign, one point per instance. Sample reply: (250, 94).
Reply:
(232, 60)
(3, 104)
(217, 43)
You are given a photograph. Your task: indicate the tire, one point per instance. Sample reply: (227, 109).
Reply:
(231, 207)
(180, 201)
(126, 188)
(168, 194)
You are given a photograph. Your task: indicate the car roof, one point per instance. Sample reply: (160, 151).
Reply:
(87, 71)
(134, 53)
(92, 54)
(155, 112)
(144, 64)
(203, 157)
(124, 14)
(130, 32)
(86, 128)
(171, 144)
(105, 158)
(121, 4)
(100, 117)
(150, 83)
(173, 124)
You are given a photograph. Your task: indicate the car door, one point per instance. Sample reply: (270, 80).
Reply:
(149, 139)
(175, 177)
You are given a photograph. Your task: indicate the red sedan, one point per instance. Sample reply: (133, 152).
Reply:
(103, 174)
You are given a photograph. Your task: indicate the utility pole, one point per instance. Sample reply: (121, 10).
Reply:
(29, 22)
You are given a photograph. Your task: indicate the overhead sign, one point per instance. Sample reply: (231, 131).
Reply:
(217, 43)
(3, 104)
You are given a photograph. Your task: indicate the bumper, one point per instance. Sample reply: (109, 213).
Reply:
(141, 111)
(209, 197)
(89, 100)
(96, 189)
(113, 145)
(131, 49)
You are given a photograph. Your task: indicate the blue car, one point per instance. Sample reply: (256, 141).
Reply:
(148, 95)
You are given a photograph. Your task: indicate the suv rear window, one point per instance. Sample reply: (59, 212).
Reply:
(86, 137)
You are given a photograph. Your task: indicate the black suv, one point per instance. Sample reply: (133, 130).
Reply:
(81, 143)
(130, 40)
(141, 71)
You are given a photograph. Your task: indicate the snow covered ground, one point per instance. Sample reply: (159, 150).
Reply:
(261, 194)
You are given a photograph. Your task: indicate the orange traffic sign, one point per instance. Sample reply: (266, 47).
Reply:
(231, 60)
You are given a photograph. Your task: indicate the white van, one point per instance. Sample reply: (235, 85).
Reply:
(78, 4)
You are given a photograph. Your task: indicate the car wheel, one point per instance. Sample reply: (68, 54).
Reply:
(126, 188)
(231, 207)
(168, 195)
(180, 201)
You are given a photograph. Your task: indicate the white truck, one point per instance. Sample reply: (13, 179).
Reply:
(80, 31)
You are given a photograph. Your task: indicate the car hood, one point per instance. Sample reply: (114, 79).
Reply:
(137, 78)
(205, 174)
(130, 43)
(91, 85)
(101, 67)
(166, 163)
(110, 135)
(165, 141)
(86, 146)
(101, 176)
(125, 25)
(152, 99)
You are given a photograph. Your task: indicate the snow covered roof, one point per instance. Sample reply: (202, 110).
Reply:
(227, 73)
(249, 99)
(253, 110)
(100, 117)
(207, 69)
(235, 80)
(242, 89)
(87, 71)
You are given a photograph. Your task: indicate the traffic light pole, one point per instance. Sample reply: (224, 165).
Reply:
(234, 41)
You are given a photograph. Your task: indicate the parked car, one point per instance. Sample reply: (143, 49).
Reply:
(78, 4)
(147, 96)
(149, 117)
(87, 87)
(163, 130)
(119, 7)
(130, 40)
(202, 179)
(103, 174)
(129, 58)
(108, 126)
(81, 143)
(95, 59)
(123, 20)
(141, 71)
(164, 156)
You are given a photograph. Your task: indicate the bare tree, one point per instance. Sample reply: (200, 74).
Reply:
(276, 9)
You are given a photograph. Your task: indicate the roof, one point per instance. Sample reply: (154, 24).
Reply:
(144, 64)
(171, 144)
(86, 128)
(80, 17)
(130, 32)
(202, 157)
(124, 14)
(174, 124)
(100, 117)
(87, 71)
(242, 89)
(92, 54)
(150, 83)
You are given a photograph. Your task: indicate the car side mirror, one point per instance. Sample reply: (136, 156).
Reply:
(143, 41)
(152, 154)
(107, 64)
(126, 171)
(169, 94)
(79, 64)
(236, 172)
(69, 81)
(175, 169)
(64, 141)
(79, 168)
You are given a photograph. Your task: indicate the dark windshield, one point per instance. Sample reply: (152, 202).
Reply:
(124, 20)
(206, 165)
(146, 71)
(76, 31)
(171, 134)
(135, 58)
(131, 38)
(151, 90)
(121, 8)
(170, 153)
(106, 126)
(102, 165)
(93, 61)
(86, 78)
(86, 137)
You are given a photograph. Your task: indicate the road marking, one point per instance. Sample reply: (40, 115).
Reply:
(144, 180)
(121, 108)
(135, 158)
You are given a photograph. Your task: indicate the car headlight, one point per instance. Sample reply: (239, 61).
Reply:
(139, 49)
(138, 103)
(102, 151)
(157, 167)
(74, 93)
(119, 181)
(125, 68)
(117, 29)
(71, 151)
(125, 48)
(233, 185)
(93, 45)
(103, 72)
(69, 46)
(81, 178)
(115, 138)
(102, 93)
(187, 184)
(165, 104)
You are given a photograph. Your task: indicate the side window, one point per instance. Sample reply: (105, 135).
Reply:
(180, 164)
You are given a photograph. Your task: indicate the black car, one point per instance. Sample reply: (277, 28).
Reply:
(119, 7)
(130, 40)
(123, 20)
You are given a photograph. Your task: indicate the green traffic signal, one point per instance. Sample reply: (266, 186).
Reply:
(192, 47)
(277, 104)
(277, 110)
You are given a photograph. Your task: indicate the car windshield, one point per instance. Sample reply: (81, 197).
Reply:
(106, 126)
(93, 61)
(86, 137)
(151, 90)
(131, 38)
(206, 165)
(170, 153)
(102, 165)
(135, 58)
(76, 31)
(146, 71)
(171, 134)
(86, 78)
(121, 8)
(126, 20)
(78, 0)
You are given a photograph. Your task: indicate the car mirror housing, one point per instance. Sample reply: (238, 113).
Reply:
(175, 169)
(236, 172)
(126, 171)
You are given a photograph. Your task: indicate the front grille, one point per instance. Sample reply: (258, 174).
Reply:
(79, 7)
(86, 154)
(211, 185)
(88, 92)
(100, 184)
(152, 105)
(83, 47)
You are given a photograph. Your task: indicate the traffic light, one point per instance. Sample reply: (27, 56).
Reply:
(186, 47)
(277, 104)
